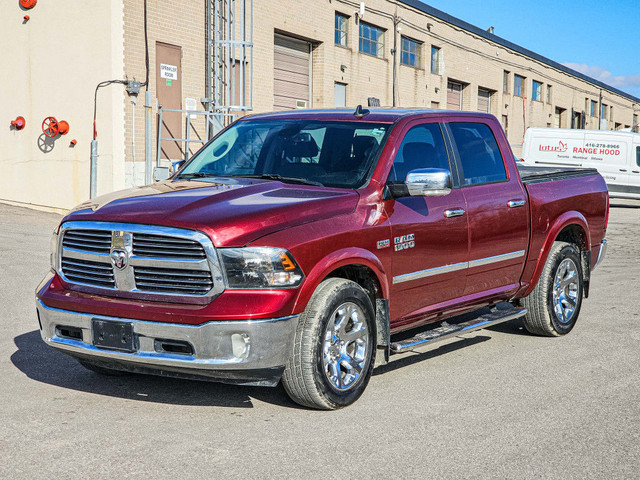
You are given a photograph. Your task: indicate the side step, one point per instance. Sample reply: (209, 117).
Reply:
(446, 330)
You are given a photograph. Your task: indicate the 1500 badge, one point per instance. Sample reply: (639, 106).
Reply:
(404, 242)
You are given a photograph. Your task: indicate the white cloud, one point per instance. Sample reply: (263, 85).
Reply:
(605, 76)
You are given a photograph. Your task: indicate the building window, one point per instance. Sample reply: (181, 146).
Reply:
(518, 86)
(549, 94)
(594, 108)
(505, 81)
(536, 91)
(603, 111)
(371, 40)
(410, 52)
(342, 26)
(611, 113)
(435, 105)
(436, 60)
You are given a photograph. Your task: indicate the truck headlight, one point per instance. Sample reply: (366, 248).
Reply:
(53, 256)
(260, 267)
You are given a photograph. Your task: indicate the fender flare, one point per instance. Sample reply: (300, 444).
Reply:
(566, 219)
(337, 259)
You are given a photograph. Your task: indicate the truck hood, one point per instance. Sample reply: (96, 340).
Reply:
(232, 211)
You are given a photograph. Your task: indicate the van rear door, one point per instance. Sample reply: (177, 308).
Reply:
(609, 154)
(634, 175)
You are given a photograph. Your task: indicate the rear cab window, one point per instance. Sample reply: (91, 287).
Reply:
(479, 154)
(638, 155)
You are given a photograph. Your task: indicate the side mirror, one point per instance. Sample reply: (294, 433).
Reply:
(428, 182)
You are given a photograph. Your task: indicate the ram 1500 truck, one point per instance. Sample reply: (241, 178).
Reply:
(307, 246)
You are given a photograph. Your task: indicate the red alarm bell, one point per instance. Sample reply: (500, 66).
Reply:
(18, 123)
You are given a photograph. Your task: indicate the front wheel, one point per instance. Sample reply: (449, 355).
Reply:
(554, 304)
(334, 347)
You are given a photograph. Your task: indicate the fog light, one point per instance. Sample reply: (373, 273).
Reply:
(240, 343)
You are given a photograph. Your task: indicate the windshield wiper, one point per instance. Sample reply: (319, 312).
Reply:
(275, 176)
(196, 175)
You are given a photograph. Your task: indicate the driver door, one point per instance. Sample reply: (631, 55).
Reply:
(429, 243)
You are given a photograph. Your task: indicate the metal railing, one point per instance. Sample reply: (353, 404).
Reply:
(213, 123)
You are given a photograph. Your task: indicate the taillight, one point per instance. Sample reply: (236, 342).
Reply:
(606, 220)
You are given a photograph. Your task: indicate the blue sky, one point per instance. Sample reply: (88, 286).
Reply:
(598, 38)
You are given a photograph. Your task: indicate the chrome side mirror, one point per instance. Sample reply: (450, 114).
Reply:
(428, 182)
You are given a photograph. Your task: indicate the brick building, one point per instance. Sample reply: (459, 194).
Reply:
(305, 54)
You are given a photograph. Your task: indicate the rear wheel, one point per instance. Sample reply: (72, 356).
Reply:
(554, 305)
(334, 347)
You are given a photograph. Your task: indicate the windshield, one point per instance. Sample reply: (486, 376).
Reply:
(332, 154)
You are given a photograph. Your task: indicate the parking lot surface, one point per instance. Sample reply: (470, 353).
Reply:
(496, 403)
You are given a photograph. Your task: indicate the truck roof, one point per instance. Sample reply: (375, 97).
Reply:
(377, 115)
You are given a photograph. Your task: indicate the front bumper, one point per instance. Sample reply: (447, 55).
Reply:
(251, 352)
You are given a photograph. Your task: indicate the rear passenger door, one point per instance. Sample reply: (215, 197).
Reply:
(497, 210)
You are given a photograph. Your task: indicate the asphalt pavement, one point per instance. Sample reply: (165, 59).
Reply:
(496, 403)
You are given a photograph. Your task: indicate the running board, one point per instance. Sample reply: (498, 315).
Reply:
(446, 330)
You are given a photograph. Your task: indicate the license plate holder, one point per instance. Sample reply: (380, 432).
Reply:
(113, 335)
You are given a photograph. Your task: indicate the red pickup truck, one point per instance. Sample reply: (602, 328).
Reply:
(308, 246)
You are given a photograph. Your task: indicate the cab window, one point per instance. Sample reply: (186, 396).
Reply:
(479, 154)
(638, 156)
(422, 147)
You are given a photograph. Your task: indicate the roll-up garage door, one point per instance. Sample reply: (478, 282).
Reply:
(484, 100)
(454, 96)
(292, 73)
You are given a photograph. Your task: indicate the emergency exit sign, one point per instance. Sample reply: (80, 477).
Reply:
(170, 72)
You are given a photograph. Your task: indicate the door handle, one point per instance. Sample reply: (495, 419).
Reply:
(623, 169)
(454, 212)
(635, 171)
(515, 203)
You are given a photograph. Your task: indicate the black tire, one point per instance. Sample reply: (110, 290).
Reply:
(547, 314)
(109, 372)
(307, 375)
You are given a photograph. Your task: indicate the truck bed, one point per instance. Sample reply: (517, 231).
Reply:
(531, 175)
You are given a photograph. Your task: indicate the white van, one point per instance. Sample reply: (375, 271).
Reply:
(616, 155)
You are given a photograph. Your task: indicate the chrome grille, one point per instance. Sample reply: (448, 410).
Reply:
(161, 246)
(89, 273)
(97, 241)
(174, 281)
(153, 262)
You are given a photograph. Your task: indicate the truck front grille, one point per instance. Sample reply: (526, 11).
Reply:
(89, 273)
(96, 241)
(171, 280)
(130, 260)
(161, 246)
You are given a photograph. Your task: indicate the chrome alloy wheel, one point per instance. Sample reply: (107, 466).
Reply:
(345, 344)
(566, 290)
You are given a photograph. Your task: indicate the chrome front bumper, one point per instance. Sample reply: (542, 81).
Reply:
(240, 351)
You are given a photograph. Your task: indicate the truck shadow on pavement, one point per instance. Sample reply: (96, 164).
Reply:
(43, 364)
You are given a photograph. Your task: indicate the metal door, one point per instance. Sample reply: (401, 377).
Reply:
(454, 96)
(169, 93)
(340, 94)
(292, 73)
(484, 100)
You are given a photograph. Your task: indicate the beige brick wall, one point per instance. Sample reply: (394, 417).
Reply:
(472, 60)
(176, 22)
(476, 62)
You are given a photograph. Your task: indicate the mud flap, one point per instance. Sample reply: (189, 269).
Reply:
(383, 331)
(585, 257)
